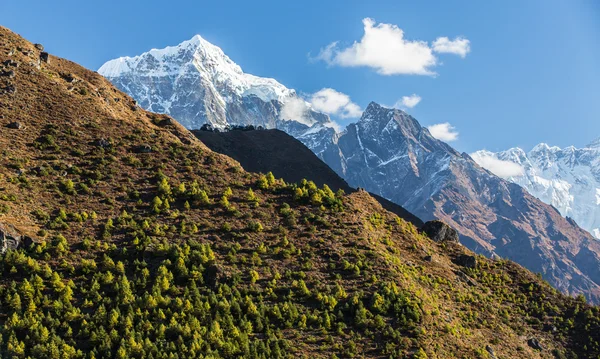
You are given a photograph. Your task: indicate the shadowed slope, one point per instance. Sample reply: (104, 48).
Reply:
(275, 151)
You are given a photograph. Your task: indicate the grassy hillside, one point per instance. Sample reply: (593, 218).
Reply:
(148, 244)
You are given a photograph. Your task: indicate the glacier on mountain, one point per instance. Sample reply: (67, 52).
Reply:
(196, 83)
(567, 178)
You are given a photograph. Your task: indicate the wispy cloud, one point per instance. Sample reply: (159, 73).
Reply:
(408, 101)
(326, 100)
(335, 103)
(297, 109)
(384, 48)
(500, 168)
(459, 46)
(444, 132)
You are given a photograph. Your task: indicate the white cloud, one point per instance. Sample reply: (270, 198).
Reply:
(296, 109)
(335, 103)
(498, 167)
(408, 101)
(444, 132)
(336, 126)
(326, 100)
(384, 48)
(459, 46)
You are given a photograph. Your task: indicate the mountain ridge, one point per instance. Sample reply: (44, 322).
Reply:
(387, 152)
(223, 95)
(567, 178)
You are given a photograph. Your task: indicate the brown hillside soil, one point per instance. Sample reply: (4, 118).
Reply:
(148, 244)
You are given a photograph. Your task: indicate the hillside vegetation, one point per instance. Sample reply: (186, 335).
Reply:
(146, 244)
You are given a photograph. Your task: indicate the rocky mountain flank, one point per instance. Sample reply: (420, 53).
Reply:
(567, 178)
(387, 152)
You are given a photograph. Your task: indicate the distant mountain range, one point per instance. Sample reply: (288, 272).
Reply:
(567, 178)
(387, 152)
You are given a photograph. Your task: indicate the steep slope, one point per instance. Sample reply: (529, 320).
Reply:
(197, 83)
(568, 179)
(138, 241)
(386, 152)
(277, 152)
(389, 153)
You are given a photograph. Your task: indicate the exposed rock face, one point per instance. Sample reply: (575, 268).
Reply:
(466, 261)
(11, 239)
(535, 344)
(45, 57)
(196, 83)
(567, 178)
(440, 231)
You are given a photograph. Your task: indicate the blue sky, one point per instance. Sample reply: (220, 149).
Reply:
(532, 74)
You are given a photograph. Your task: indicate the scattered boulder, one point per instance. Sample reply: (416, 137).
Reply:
(466, 261)
(550, 328)
(535, 344)
(10, 89)
(428, 258)
(465, 278)
(490, 351)
(145, 148)
(45, 57)
(166, 122)
(104, 143)
(39, 47)
(68, 77)
(10, 74)
(439, 231)
(10, 63)
(16, 125)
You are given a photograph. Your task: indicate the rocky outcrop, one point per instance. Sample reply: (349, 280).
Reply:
(11, 239)
(535, 344)
(466, 261)
(15, 125)
(45, 57)
(567, 178)
(439, 231)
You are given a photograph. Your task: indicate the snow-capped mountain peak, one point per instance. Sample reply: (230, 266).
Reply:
(594, 144)
(204, 57)
(568, 178)
(197, 83)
